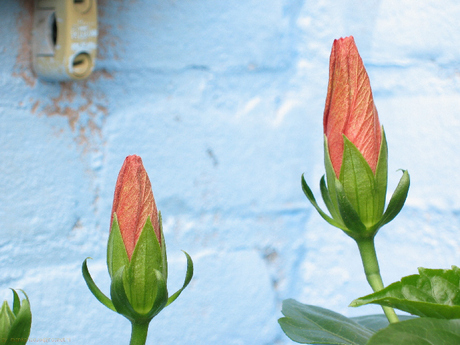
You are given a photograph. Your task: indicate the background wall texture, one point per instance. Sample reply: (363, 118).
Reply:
(223, 100)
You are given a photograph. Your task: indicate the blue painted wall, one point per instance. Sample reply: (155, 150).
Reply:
(223, 100)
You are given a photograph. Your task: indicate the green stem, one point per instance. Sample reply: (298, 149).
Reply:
(372, 270)
(139, 333)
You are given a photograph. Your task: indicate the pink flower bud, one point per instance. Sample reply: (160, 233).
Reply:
(350, 108)
(133, 202)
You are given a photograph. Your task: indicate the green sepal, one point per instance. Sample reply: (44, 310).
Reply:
(116, 249)
(188, 278)
(123, 305)
(381, 177)
(94, 289)
(119, 298)
(358, 182)
(330, 178)
(140, 276)
(21, 321)
(16, 302)
(354, 226)
(309, 194)
(6, 320)
(329, 204)
(164, 258)
(397, 200)
(356, 199)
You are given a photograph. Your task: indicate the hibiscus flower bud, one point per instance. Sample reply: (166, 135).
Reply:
(133, 203)
(15, 324)
(350, 110)
(355, 151)
(136, 252)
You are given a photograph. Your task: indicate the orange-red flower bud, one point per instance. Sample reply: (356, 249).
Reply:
(133, 202)
(350, 108)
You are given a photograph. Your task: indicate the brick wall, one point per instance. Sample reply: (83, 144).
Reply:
(223, 100)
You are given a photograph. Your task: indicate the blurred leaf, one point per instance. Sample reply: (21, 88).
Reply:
(419, 331)
(432, 293)
(378, 321)
(308, 324)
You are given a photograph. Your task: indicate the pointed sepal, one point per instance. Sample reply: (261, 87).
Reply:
(140, 277)
(331, 206)
(356, 198)
(15, 324)
(397, 200)
(330, 178)
(188, 278)
(6, 320)
(123, 305)
(309, 194)
(354, 226)
(116, 250)
(164, 258)
(94, 288)
(381, 178)
(358, 183)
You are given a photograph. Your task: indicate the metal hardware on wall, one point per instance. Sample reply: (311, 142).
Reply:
(64, 39)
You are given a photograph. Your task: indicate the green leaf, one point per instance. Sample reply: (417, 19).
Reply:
(419, 331)
(188, 278)
(378, 321)
(94, 289)
(307, 324)
(397, 200)
(116, 250)
(432, 293)
(349, 215)
(358, 182)
(309, 194)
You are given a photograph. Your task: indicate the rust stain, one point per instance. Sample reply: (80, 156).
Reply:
(84, 108)
(109, 42)
(35, 106)
(24, 58)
